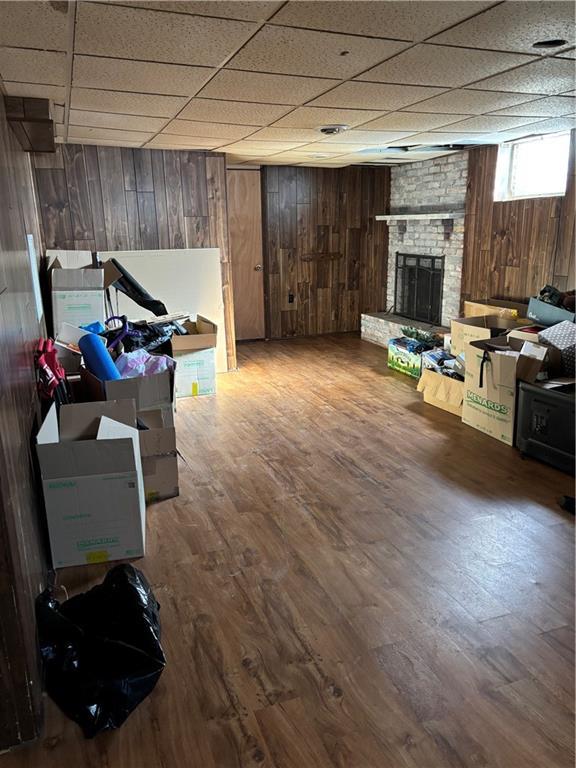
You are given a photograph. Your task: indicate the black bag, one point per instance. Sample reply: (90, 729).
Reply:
(101, 649)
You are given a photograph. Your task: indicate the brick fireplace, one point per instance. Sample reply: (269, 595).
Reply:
(424, 189)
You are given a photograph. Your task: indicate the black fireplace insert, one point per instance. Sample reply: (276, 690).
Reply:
(418, 292)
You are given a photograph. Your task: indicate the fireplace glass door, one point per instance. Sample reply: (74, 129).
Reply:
(418, 294)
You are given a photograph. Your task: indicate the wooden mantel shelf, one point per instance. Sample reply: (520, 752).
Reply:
(421, 216)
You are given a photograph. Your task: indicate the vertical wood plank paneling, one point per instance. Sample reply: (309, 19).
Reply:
(513, 247)
(113, 197)
(323, 247)
(22, 552)
(566, 243)
(96, 203)
(143, 170)
(194, 191)
(160, 199)
(54, 207)
(174, 199)
(78, 195)
(123, 198)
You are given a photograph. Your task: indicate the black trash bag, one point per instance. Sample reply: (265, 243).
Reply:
(101, 649)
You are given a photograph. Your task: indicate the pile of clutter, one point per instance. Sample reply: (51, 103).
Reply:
(506, 368)
(107, 444)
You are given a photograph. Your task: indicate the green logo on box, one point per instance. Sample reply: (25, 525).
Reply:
(63, 484)
(490, 405)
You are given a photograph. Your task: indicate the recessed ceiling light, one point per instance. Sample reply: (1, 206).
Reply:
(555, 42)
(332, 130)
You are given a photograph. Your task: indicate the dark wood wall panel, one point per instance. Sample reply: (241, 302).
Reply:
(512, 248)
(117, 198)
(326, 256)
(22, 561)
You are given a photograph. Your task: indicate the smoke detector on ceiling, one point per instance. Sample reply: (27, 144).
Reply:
(332, 130)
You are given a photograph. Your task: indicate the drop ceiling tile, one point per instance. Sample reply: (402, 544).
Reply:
(546, 76)
(115, 120)
(244, 10)
(135, 33)
(441, 65)
(34, 25)
(140, 76)
(442, 137)
(316, 54)
(314, 117)
(491, 123)
(569, 93)
(554, 125)
(54, 92)
(357, 95)
(410, 121)
(286, 134)
(472, 102)
(235, 112)
(365, 137)
(186, 142)
(552, 106)
(400, 20)
(104, 142)
(249, 150)
(209, 130)
(264, 88)
(514, 26)
(570, 54)
(24, 66)
(109, 134)
(126, 103)
(331, 148)
(248, 145)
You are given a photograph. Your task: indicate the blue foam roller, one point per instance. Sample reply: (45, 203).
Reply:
(97, 358)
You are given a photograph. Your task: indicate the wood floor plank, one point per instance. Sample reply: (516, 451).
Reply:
(341, 586)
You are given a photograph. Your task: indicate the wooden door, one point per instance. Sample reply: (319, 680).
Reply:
(245, 229)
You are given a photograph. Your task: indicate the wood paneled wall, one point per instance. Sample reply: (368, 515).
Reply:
(22, 556)
(513, 248)
(114, 199)
(326, 256)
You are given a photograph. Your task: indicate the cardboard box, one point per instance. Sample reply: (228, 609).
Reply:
(195, 356)
(153, 397)
(402, 360)
(467, 329)
(67, 343)
(78, 295)
(149, 392)
(91, 469)
(526, 333)
(547, 314)
(159, 456)
(502, 308)
(492, 369)
(442, 391)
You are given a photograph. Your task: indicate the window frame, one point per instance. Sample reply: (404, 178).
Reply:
(503, 187)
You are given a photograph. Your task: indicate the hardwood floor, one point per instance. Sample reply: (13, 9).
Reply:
(350, 579)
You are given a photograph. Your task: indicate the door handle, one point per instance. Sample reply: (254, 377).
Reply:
(258, 268)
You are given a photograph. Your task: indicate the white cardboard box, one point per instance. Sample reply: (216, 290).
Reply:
(93, 486)
(195, 356)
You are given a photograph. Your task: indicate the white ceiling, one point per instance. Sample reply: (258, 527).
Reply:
(257, 78)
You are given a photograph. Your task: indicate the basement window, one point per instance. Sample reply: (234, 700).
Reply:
(532, 167)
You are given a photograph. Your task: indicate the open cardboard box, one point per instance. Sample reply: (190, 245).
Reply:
(195, 355)
(482, 307)
(154, 398)
(89, 456)
(79, 293)
(467, 329)
(492, 368)
(441, 391)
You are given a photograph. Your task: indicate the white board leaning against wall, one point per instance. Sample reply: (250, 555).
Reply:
(187, 279)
